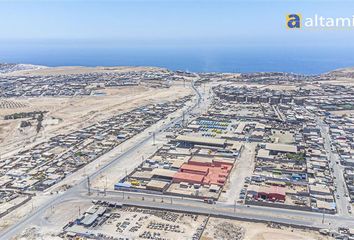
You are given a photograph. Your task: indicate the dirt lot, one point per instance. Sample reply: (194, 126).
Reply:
(54, 219)
(231, 229)
(80, 70)
(284, 137)
(342, 113)
(136, 223)
(127, 223)
(343, 76)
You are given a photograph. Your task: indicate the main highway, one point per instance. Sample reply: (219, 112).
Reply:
(256, 213)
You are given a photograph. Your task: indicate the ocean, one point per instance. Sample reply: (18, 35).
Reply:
(304, 60)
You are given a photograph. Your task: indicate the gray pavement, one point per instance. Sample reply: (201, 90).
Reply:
(342, 202)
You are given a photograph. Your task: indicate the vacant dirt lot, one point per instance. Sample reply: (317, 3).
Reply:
(231, 229)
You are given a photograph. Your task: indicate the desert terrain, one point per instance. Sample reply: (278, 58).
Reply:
(65, 114)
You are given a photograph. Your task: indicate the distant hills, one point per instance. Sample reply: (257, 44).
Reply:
(13, 67)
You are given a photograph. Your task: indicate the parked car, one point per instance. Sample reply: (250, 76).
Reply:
(209, 201)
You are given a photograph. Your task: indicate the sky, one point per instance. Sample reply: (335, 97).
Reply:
(200, 35)
(168, 22)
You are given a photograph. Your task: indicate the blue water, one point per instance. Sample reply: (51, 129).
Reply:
(306, 60)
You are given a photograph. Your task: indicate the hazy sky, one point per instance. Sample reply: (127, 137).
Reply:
(168, 22)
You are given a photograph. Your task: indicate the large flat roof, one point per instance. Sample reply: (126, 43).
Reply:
(194, 168)
(187, 177)
(281, 147)
(201, 140)
(163, 172)
(142, 174)
(199, 159)
(177, 163)
(240, 127)
(237, 146)
(156, 184)
(262, 153)
(272, 190)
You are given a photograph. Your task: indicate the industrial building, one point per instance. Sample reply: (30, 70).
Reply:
(268, 193)
(191, 141)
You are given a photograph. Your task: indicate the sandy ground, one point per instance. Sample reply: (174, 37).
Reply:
(341, 113)
(255, 231)
(57, 217)
(340, 81)
(54, 220)
(216, 228)
(68, 114)
(343, 76)
(80, 70)
(285, 137)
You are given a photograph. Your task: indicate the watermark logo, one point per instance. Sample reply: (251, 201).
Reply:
(293, 21)
(296, 21)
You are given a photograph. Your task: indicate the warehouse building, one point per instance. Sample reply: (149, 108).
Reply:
(156, 185)
(268, 193)
(191, 141)
(205, 175)
(185, 177)
(276, 148)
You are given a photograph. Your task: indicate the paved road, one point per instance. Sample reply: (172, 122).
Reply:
(222, 209)
(74, 192)
(342, 202)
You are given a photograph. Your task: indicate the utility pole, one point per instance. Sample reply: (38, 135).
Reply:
(105, 187)
(88, 185)
(153, 139)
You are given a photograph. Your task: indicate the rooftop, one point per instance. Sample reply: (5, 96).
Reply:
(201, 140)
(281, 147)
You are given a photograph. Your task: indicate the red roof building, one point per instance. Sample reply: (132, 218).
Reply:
(271, 193)
(194, 169)
(187, 177)
(203, 175)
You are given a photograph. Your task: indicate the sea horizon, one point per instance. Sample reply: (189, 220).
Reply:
(305, 60)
